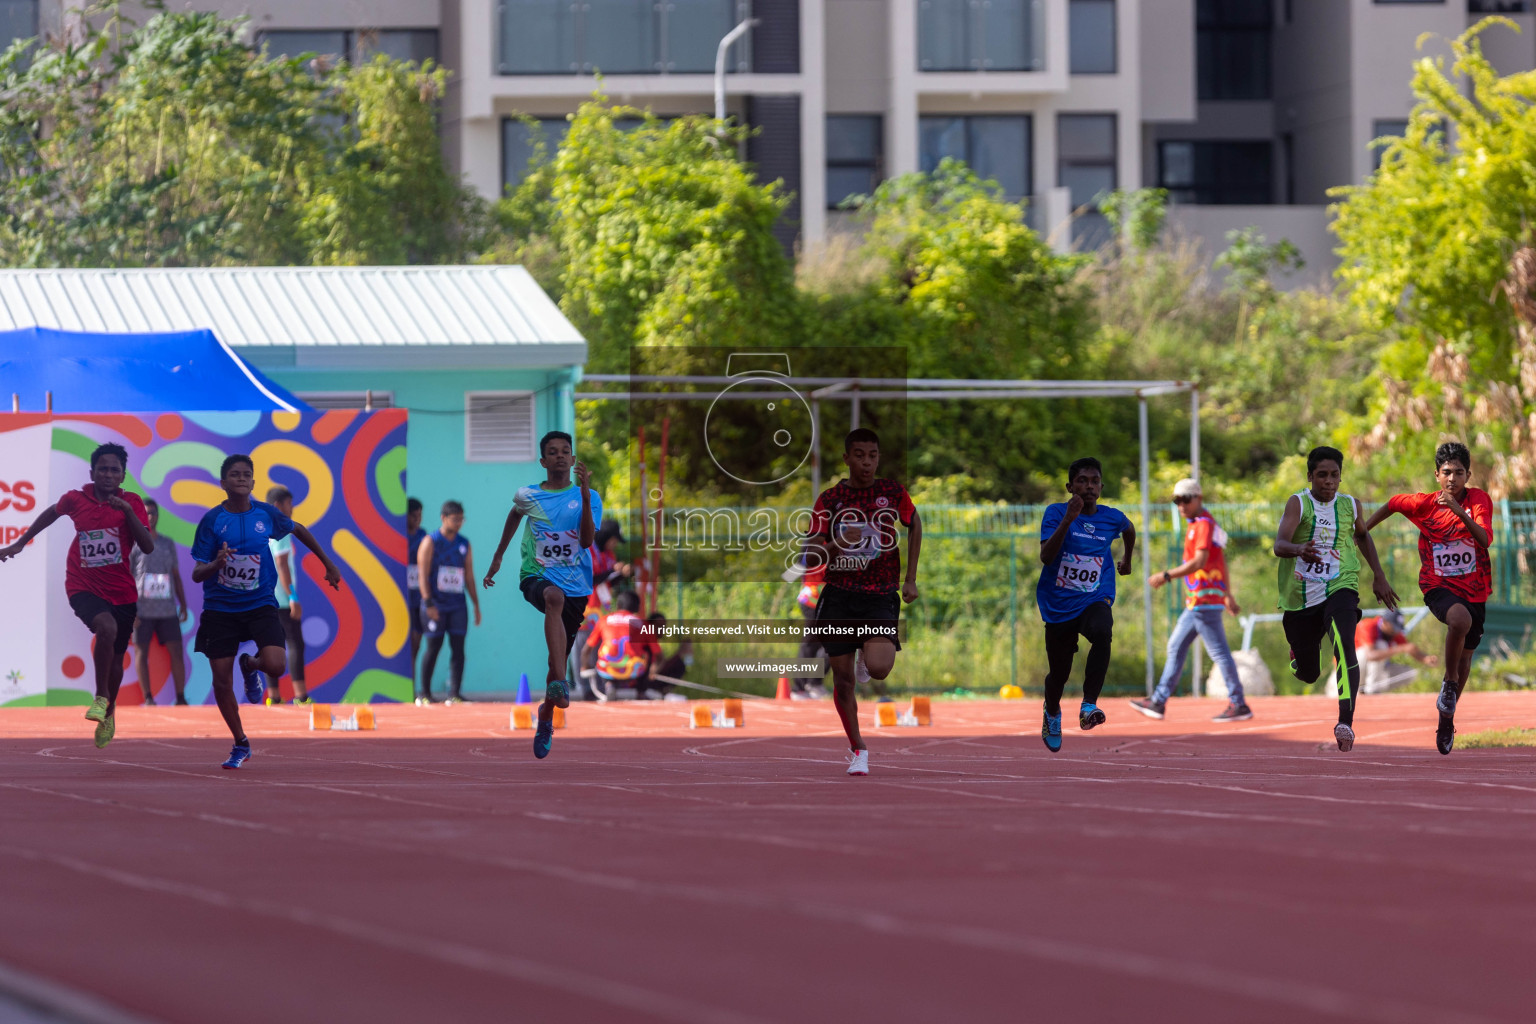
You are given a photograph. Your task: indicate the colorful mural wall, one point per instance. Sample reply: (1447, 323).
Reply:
(346, 470)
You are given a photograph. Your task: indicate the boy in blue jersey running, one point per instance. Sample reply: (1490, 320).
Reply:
(235, 566)
(556, 572)
(1077, 589)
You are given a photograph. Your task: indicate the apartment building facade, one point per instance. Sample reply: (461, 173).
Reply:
(1248, 111)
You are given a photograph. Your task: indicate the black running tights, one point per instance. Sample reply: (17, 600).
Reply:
(1097, 626)
(455, 663)
(1332, 623)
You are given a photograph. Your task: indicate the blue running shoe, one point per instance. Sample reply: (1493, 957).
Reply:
(1050, 732)
(255, 684)
(238, 756)
(543, 736)
(556, 690)
(1089, 715)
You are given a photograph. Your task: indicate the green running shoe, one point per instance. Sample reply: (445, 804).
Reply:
(105, 731)
(97, 712)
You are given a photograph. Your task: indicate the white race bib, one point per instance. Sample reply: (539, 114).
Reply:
(1081, 573)
(413, 578)
(450, 579)
(99, 548)
(1321, 571)
(562, 553)
(155, 586)
(857, 554)
(241, 572)
(1456, 558)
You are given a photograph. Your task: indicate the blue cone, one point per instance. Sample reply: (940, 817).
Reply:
(523, 696)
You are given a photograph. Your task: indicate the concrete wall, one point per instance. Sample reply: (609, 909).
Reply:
(1306, 227)
(510, 641)
(1167, 55)
(858, 69)
(1383, 49)
(1508, 50)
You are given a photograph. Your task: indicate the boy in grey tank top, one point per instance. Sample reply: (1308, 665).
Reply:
(162, 608)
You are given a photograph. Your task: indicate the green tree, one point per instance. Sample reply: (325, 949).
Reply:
(174, 144)
(1435, 248)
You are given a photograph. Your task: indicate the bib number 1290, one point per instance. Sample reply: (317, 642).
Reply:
(1455, 558)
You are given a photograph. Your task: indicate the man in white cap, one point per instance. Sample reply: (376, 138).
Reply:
(1207, 591)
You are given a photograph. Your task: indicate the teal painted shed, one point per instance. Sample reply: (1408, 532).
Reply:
(481, 357)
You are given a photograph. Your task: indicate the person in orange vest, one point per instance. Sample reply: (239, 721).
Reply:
(623, 660)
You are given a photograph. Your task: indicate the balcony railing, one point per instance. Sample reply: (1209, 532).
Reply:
(617, 37)
(981, 35)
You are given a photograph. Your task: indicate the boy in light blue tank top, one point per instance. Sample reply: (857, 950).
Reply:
(556, 571)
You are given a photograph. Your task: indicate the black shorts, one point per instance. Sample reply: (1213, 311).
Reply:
(220, 634)
(87, 606)
(168, 631)
(413, 609)
(1306, 629)
(1440, 602)
(573, 614)
(450, 621)
(872, 617)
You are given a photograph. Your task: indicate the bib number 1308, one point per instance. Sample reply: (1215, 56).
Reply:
(1080, 573)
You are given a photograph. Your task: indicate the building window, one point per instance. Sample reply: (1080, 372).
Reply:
(1499, 6)
(525, 140)
(1086, 153)
(619, 37)
(1232, 49)
(1383, 129)
(18, 20)
(980, 35)
(1216, 173)
(1383, 2)
(359, 46)
(1091, 37)
(498, 426)
(854, 150)
(999, 148)
(347, 399)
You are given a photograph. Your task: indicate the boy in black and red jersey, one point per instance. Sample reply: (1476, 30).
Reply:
(854, 535)
(1455, 530)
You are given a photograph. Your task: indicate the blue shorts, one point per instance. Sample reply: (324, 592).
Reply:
(450, 621)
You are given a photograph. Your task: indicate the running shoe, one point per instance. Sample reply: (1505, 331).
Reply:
(255, 684)
(858, 762)
(1292, 657)
(543, 737)
(557, 691)
(1150, 708)
(239, 755)
(424, 702)
(1090, 715)
(97, 712)
(1445, 733)
(450, 700)
(1234, 713)
(860, 673)
(274, 701)
(1445, 703)
(1344, 736)
(306, 699)
(1050, 732)
(816, 691)
(181, 702)
(105, 731)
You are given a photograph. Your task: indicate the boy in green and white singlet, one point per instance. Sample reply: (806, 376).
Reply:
(1319, 543)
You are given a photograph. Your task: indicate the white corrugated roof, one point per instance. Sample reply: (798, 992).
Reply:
(255, 307)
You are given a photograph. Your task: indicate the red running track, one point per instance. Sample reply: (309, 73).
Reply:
(1178, 871)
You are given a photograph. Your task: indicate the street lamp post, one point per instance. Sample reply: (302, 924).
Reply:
(725, 44)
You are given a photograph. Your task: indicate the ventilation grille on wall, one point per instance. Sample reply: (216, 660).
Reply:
(498, 426)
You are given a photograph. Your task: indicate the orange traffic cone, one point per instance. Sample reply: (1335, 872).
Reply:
(783, 693)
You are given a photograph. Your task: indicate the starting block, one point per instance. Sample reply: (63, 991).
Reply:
(919, 713)
(321, 717)
(526, 716)
(730, 717)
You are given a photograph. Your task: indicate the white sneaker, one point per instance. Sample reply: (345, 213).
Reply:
(858, 762)
(1344, 736)
(423, 702)
(860, 673)
(816, 691)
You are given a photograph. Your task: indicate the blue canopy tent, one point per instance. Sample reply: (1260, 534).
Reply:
(173, 371)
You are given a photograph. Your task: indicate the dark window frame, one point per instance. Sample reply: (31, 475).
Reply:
(1114, 42)
(975, 45)
(1214, 191)
(657, 26)
(970, 120)
(874, 164)
(351, 39)
(1221, 25)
